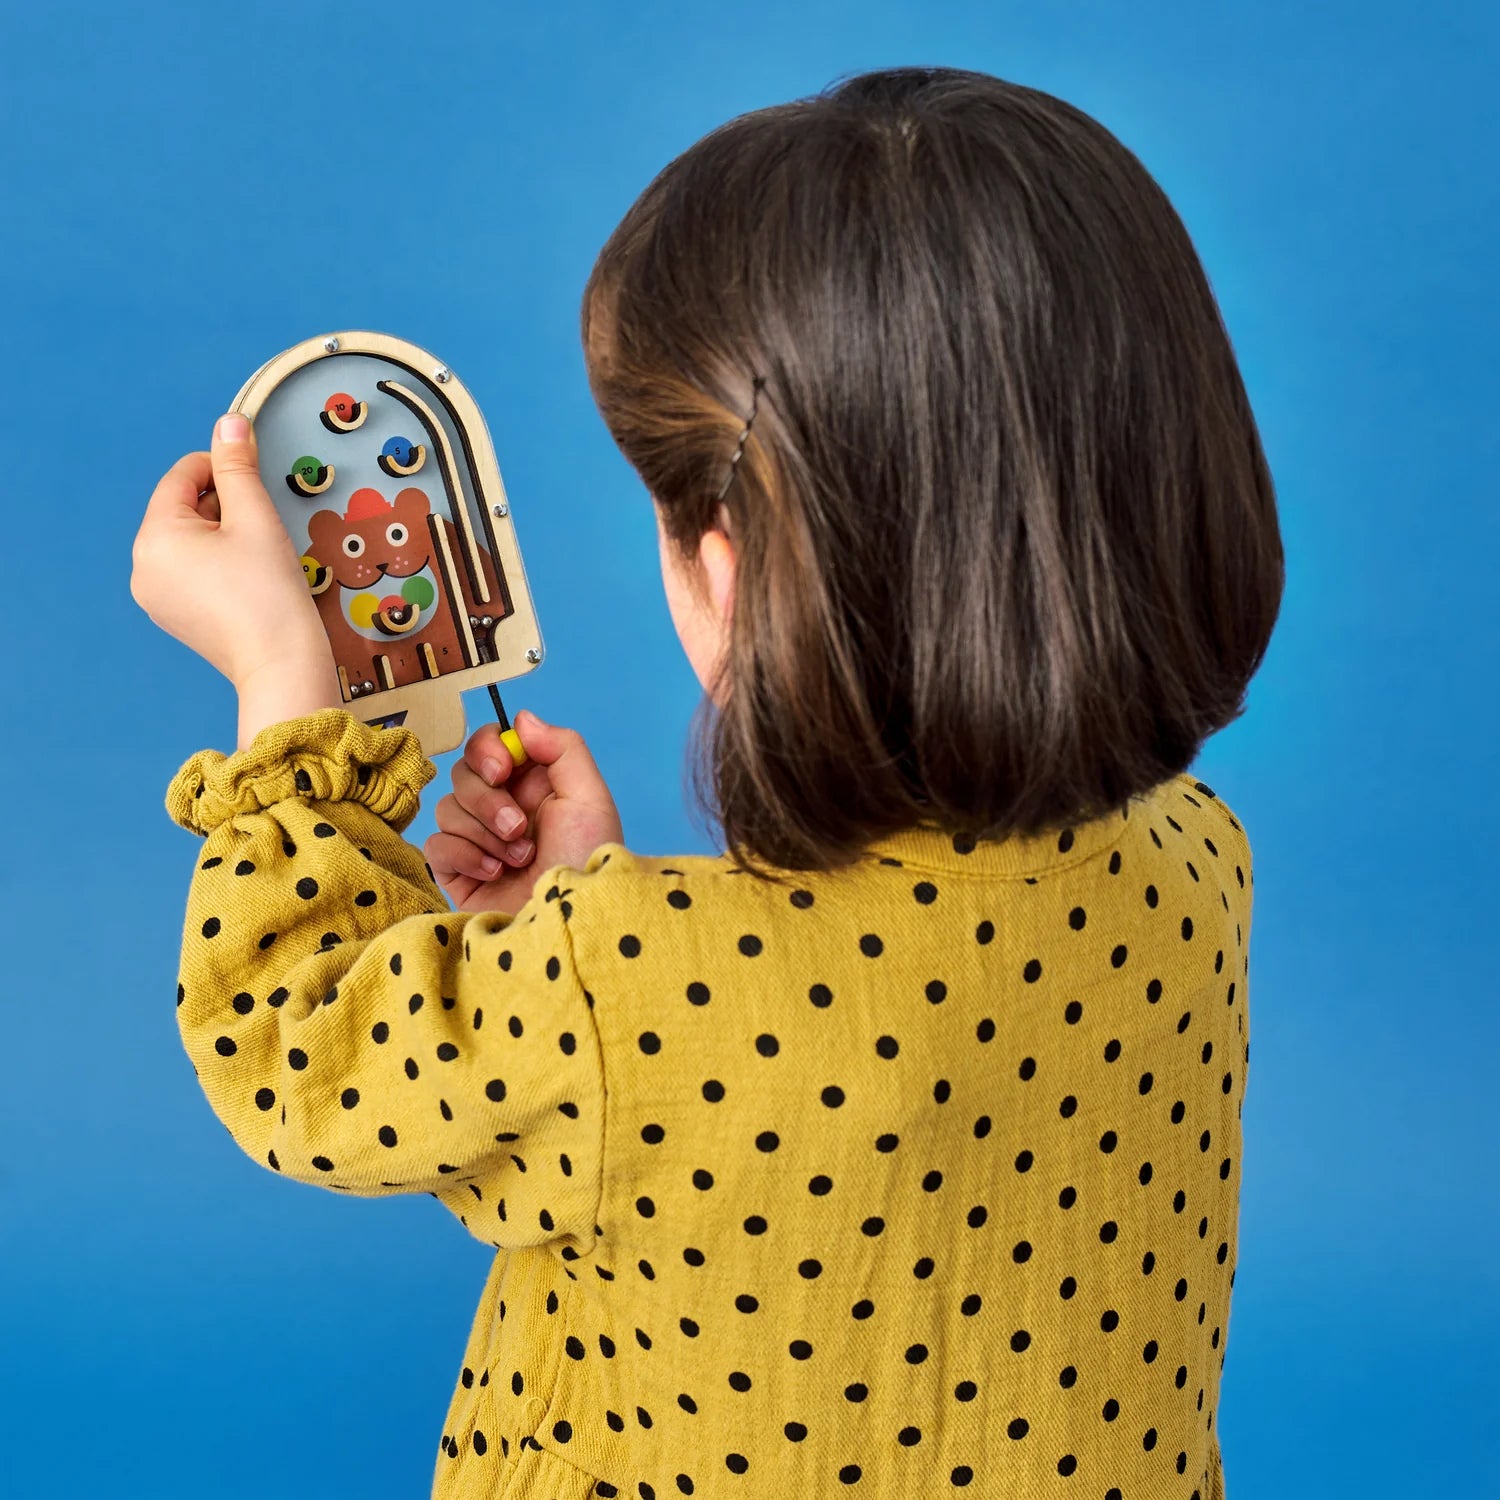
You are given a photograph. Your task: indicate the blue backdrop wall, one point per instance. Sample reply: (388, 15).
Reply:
(192, 188)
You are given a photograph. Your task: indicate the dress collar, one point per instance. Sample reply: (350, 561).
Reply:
(924, 846)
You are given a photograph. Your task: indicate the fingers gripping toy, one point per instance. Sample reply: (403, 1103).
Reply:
(379, 463)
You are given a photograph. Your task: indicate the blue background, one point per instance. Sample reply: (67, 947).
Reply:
(192, 188)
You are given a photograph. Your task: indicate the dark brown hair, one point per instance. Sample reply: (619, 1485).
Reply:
(1006, 540)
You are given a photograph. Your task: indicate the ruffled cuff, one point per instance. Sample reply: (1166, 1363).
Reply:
(328, 756)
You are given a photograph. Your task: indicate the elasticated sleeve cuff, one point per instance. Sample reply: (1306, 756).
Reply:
(326, 756)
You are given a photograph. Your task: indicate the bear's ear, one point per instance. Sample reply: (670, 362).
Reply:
(322, 526)
(414, 499)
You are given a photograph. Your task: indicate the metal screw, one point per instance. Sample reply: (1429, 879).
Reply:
(331, 344)
(501, 510)
(441, 375)
(533, 655)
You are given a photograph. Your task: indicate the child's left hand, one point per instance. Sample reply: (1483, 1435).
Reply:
(215, 567)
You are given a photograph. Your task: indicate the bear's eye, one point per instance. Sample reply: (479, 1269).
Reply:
(395, 534)
(354, 544)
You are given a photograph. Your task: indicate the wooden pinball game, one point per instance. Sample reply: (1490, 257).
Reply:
(380, 465)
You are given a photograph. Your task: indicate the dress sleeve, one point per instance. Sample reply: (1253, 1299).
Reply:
(350, 1030)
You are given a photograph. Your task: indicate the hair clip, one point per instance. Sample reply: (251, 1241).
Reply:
(758, 382)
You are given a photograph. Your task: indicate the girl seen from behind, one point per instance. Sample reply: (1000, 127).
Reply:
(897, 1149)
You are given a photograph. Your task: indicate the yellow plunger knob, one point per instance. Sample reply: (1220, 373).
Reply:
(513, 743)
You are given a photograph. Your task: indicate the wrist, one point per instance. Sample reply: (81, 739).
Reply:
(286, 687)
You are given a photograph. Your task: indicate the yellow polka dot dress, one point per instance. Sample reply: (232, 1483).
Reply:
(915, 1178)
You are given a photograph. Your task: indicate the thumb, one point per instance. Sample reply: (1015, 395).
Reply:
(570, 766)
(236, 466)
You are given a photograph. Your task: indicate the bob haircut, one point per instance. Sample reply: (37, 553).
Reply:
(1006, 541)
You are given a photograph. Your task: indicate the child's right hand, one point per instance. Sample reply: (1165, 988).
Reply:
(554, 810)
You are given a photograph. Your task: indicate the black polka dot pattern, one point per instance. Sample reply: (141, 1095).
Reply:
(923, 1176)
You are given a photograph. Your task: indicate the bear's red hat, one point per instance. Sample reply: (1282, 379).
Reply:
(366, 503)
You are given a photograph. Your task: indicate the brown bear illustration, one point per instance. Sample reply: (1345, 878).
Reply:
(383, 575)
